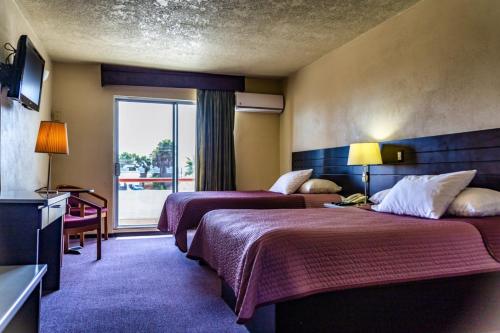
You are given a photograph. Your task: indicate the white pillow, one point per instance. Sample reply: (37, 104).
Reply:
(291, 181)
(425, 196)
(319, 186)
(475, 201)
(379, 196)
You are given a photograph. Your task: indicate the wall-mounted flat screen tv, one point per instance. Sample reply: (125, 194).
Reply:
(27, 77)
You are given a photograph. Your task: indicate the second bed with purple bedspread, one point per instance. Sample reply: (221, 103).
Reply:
(267, 256)
(183, 211)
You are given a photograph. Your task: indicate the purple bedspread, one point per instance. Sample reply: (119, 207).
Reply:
(490, 231)
(183, 211)
(267, 256)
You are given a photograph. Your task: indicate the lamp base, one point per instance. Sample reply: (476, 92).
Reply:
(45, 190)
(365, 178)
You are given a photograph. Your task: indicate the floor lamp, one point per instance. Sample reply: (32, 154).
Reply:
(364, 154)
(52, 139)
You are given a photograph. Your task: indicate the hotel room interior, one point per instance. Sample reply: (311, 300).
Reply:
(250, 166)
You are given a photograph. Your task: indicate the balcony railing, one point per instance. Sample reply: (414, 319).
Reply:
(141, 205)
(153, 180)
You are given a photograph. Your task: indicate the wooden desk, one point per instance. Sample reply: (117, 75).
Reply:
(20, 298)
(31, 232)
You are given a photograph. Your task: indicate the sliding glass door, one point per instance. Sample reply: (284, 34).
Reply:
(154, 157)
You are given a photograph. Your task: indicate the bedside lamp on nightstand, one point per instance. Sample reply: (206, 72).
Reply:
(364, 154)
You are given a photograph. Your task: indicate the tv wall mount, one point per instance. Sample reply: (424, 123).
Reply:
(7, 69)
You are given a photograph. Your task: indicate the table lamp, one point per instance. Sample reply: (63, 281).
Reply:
(52, 139)
(364, 154)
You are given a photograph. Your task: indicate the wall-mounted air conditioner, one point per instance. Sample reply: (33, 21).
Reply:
(248, 102)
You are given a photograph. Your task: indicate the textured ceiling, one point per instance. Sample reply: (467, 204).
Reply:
(251, 37)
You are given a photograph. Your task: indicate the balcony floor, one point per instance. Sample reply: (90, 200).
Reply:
(140, 207)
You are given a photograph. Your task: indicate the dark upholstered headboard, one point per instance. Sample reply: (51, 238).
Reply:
(478, 150)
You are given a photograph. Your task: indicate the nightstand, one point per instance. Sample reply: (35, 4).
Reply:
(360, 206)
(332, 205)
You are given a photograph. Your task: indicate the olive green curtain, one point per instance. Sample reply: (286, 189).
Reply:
(215, 164)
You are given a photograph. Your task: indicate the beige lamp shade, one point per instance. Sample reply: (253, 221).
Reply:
(52, 138)
(364, 154)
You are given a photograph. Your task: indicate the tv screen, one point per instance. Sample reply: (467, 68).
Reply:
(27, 80)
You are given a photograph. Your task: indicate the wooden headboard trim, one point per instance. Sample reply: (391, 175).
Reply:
(478, 150)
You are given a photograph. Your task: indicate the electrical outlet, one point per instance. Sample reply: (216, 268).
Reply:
(400, 156)
(56, 115)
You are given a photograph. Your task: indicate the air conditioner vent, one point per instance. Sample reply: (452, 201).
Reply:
(265, 103)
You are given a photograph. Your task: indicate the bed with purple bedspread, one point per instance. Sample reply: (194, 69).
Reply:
(268, 256)
(183, 211)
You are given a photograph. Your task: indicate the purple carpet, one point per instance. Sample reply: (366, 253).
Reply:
(140, 285)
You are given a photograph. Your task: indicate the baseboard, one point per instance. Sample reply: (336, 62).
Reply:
(126, 234)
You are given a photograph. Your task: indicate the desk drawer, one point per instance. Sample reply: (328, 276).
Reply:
(53, 212)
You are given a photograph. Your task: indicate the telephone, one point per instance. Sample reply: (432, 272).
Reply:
(354, 199)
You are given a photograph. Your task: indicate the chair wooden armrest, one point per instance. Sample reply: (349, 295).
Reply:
(93, 194)
(104, 205)
(100, 197)
(90, 204)
(67, 186)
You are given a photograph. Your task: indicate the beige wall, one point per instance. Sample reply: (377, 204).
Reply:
(256, 137)
(87, 108)
(433, 69)
(20, 167)
(80, 101)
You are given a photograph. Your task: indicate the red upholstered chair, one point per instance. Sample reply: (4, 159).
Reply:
(85, 210)
(77, 225)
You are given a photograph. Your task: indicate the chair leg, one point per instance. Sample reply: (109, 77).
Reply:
(106, 227)
(99, 239)
(66, 243)
(82, 239)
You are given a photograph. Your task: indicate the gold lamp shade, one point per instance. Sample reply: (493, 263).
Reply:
(364, 154)
(52, 138)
